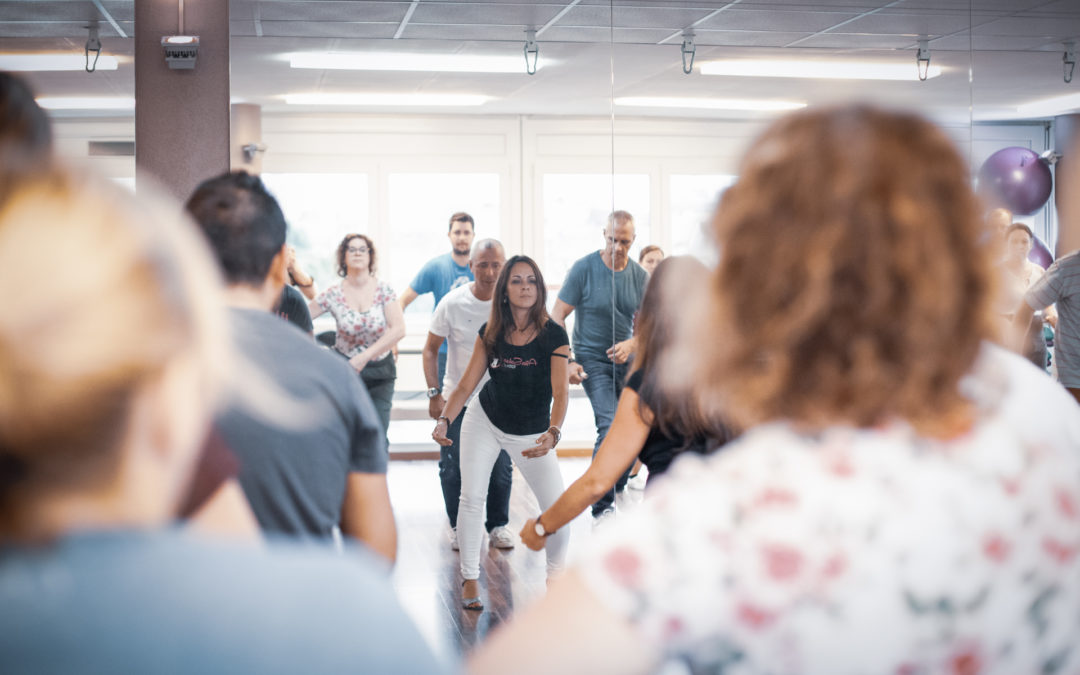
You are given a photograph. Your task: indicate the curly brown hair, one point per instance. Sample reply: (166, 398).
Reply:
(343, 247)
(852, 287)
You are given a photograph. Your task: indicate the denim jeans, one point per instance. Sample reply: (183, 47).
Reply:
(603, 386)
(498, 493)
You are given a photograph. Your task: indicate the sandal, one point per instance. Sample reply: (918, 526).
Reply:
(472, 604)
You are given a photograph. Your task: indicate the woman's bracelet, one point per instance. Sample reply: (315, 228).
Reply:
(442, 418)
(557, 432)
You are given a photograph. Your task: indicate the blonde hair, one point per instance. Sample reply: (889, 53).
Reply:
(111, 290)
(851, 287)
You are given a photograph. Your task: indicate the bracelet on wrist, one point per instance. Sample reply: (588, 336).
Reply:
(556, 432)
(442, 418)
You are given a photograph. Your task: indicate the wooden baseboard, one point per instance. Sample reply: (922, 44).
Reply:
(580, 451)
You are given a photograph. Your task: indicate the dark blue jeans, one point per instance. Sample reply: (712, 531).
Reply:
(498, 497)
(603, 386)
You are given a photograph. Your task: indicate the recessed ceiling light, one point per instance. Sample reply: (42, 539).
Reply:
(387, 99)
(708, 103)
(86, 103)
(1051, 106)
(432, 63)
(34, 62)
(816, 70)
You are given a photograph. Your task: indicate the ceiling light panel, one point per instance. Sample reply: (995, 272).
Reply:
(429, 63)
(46, 62)
(816, 70)
(415, 100)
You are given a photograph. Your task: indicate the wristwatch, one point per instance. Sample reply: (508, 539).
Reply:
(557, 432)
(539, 529)
(433, 392)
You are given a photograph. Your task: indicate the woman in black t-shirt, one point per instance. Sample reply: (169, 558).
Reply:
(652, 422)
(521, 410)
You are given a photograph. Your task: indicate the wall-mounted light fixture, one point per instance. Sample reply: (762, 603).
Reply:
(252, 149)
(1069, 60)
(922, 59)
(532, 51)
(181, 51)
(688, 51)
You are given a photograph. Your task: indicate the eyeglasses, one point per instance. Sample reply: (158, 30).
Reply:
(357, 249)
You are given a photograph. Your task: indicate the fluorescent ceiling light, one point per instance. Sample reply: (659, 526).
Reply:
(816, 70)
(86, 103)
(387, 99)
(431, 63)
(708, 103)
(1051, 106)
(31, 62)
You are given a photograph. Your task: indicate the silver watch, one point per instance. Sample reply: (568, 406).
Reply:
(539, 529)
(433, 392)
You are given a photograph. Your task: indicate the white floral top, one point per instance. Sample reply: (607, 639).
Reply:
(357, 330)
(864, 551)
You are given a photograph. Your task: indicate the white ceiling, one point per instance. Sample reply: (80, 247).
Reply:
(1014, 48)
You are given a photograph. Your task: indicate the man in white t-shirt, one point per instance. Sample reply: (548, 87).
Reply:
(457, 319)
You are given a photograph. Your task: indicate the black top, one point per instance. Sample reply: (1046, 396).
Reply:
(660, 449)
(517, 398)
(293, 307)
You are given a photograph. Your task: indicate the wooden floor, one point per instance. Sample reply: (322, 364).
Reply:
(426, 577)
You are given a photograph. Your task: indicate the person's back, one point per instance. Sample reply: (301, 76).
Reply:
(294, 475)
(166, 602)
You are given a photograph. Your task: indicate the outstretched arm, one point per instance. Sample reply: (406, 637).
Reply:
(465, 386)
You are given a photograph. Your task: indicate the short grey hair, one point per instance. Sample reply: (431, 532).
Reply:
(484, 245)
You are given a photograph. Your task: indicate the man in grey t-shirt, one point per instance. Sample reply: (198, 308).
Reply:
(1061, 286)
(323, 464)
(605, 288)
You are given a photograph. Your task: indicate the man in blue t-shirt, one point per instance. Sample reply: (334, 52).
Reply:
(444, 273)
(605, 287)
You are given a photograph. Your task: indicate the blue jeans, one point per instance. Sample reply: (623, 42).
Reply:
(498, 493)
(603, 386)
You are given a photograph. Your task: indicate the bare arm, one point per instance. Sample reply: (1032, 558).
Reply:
(471, 377)
(315, 309)
(226, 512)
(621, 445)
(430, 355)
(395, 330)
(367, 515)
(406, 298)
(303, 280)
(560, 311)
(567, 631)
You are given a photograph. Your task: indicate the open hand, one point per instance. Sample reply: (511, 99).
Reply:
(544, 443)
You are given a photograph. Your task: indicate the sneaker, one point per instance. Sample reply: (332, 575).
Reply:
(453, 539)
(636, 482)
(602, 518)
(502, 537)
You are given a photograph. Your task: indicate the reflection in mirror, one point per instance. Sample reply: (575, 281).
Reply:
(385, 117)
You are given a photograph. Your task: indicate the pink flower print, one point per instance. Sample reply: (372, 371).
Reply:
(835, 566)
(1058, 550)
(782, 562)
(624, 565)
(1011, 485)
(673, 627)
(906, 669)
(965, 662)
(775, 496)
(996, 548)
(755, 617)
(1065, 503)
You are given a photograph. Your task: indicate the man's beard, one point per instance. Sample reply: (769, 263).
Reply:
(461, 251)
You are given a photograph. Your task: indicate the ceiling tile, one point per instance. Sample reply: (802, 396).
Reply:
(331, 29)
(775, 20)
(856, 41)
(457, 14)
(366, 12)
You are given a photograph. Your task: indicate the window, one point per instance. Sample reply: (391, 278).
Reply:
(693, 201)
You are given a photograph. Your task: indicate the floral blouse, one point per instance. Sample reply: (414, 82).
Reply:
(356, 330)
(863, 551)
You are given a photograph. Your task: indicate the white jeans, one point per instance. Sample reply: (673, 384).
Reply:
(481, 442)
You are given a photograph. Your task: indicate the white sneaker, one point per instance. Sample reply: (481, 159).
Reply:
(603, 518)
(636, 482)
(453, 539)
(502, 537)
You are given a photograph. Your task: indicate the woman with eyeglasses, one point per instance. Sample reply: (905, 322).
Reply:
(369, 320)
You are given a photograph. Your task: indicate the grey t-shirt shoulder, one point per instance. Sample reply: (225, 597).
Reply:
(599, 322)
(170, 602)
(294, 472)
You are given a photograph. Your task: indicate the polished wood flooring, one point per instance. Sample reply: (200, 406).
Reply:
(426, 577)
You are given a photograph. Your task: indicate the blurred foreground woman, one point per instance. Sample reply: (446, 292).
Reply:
(108, 371)
(894, 506)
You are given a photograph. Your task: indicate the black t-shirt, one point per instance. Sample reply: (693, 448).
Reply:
(660, 449)
(293, 307)
(517, 398)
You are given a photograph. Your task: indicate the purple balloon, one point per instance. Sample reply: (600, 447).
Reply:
(1017, 179)
(1040, 255)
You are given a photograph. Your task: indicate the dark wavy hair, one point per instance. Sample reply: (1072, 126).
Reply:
(342, 268)
(501, 321)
